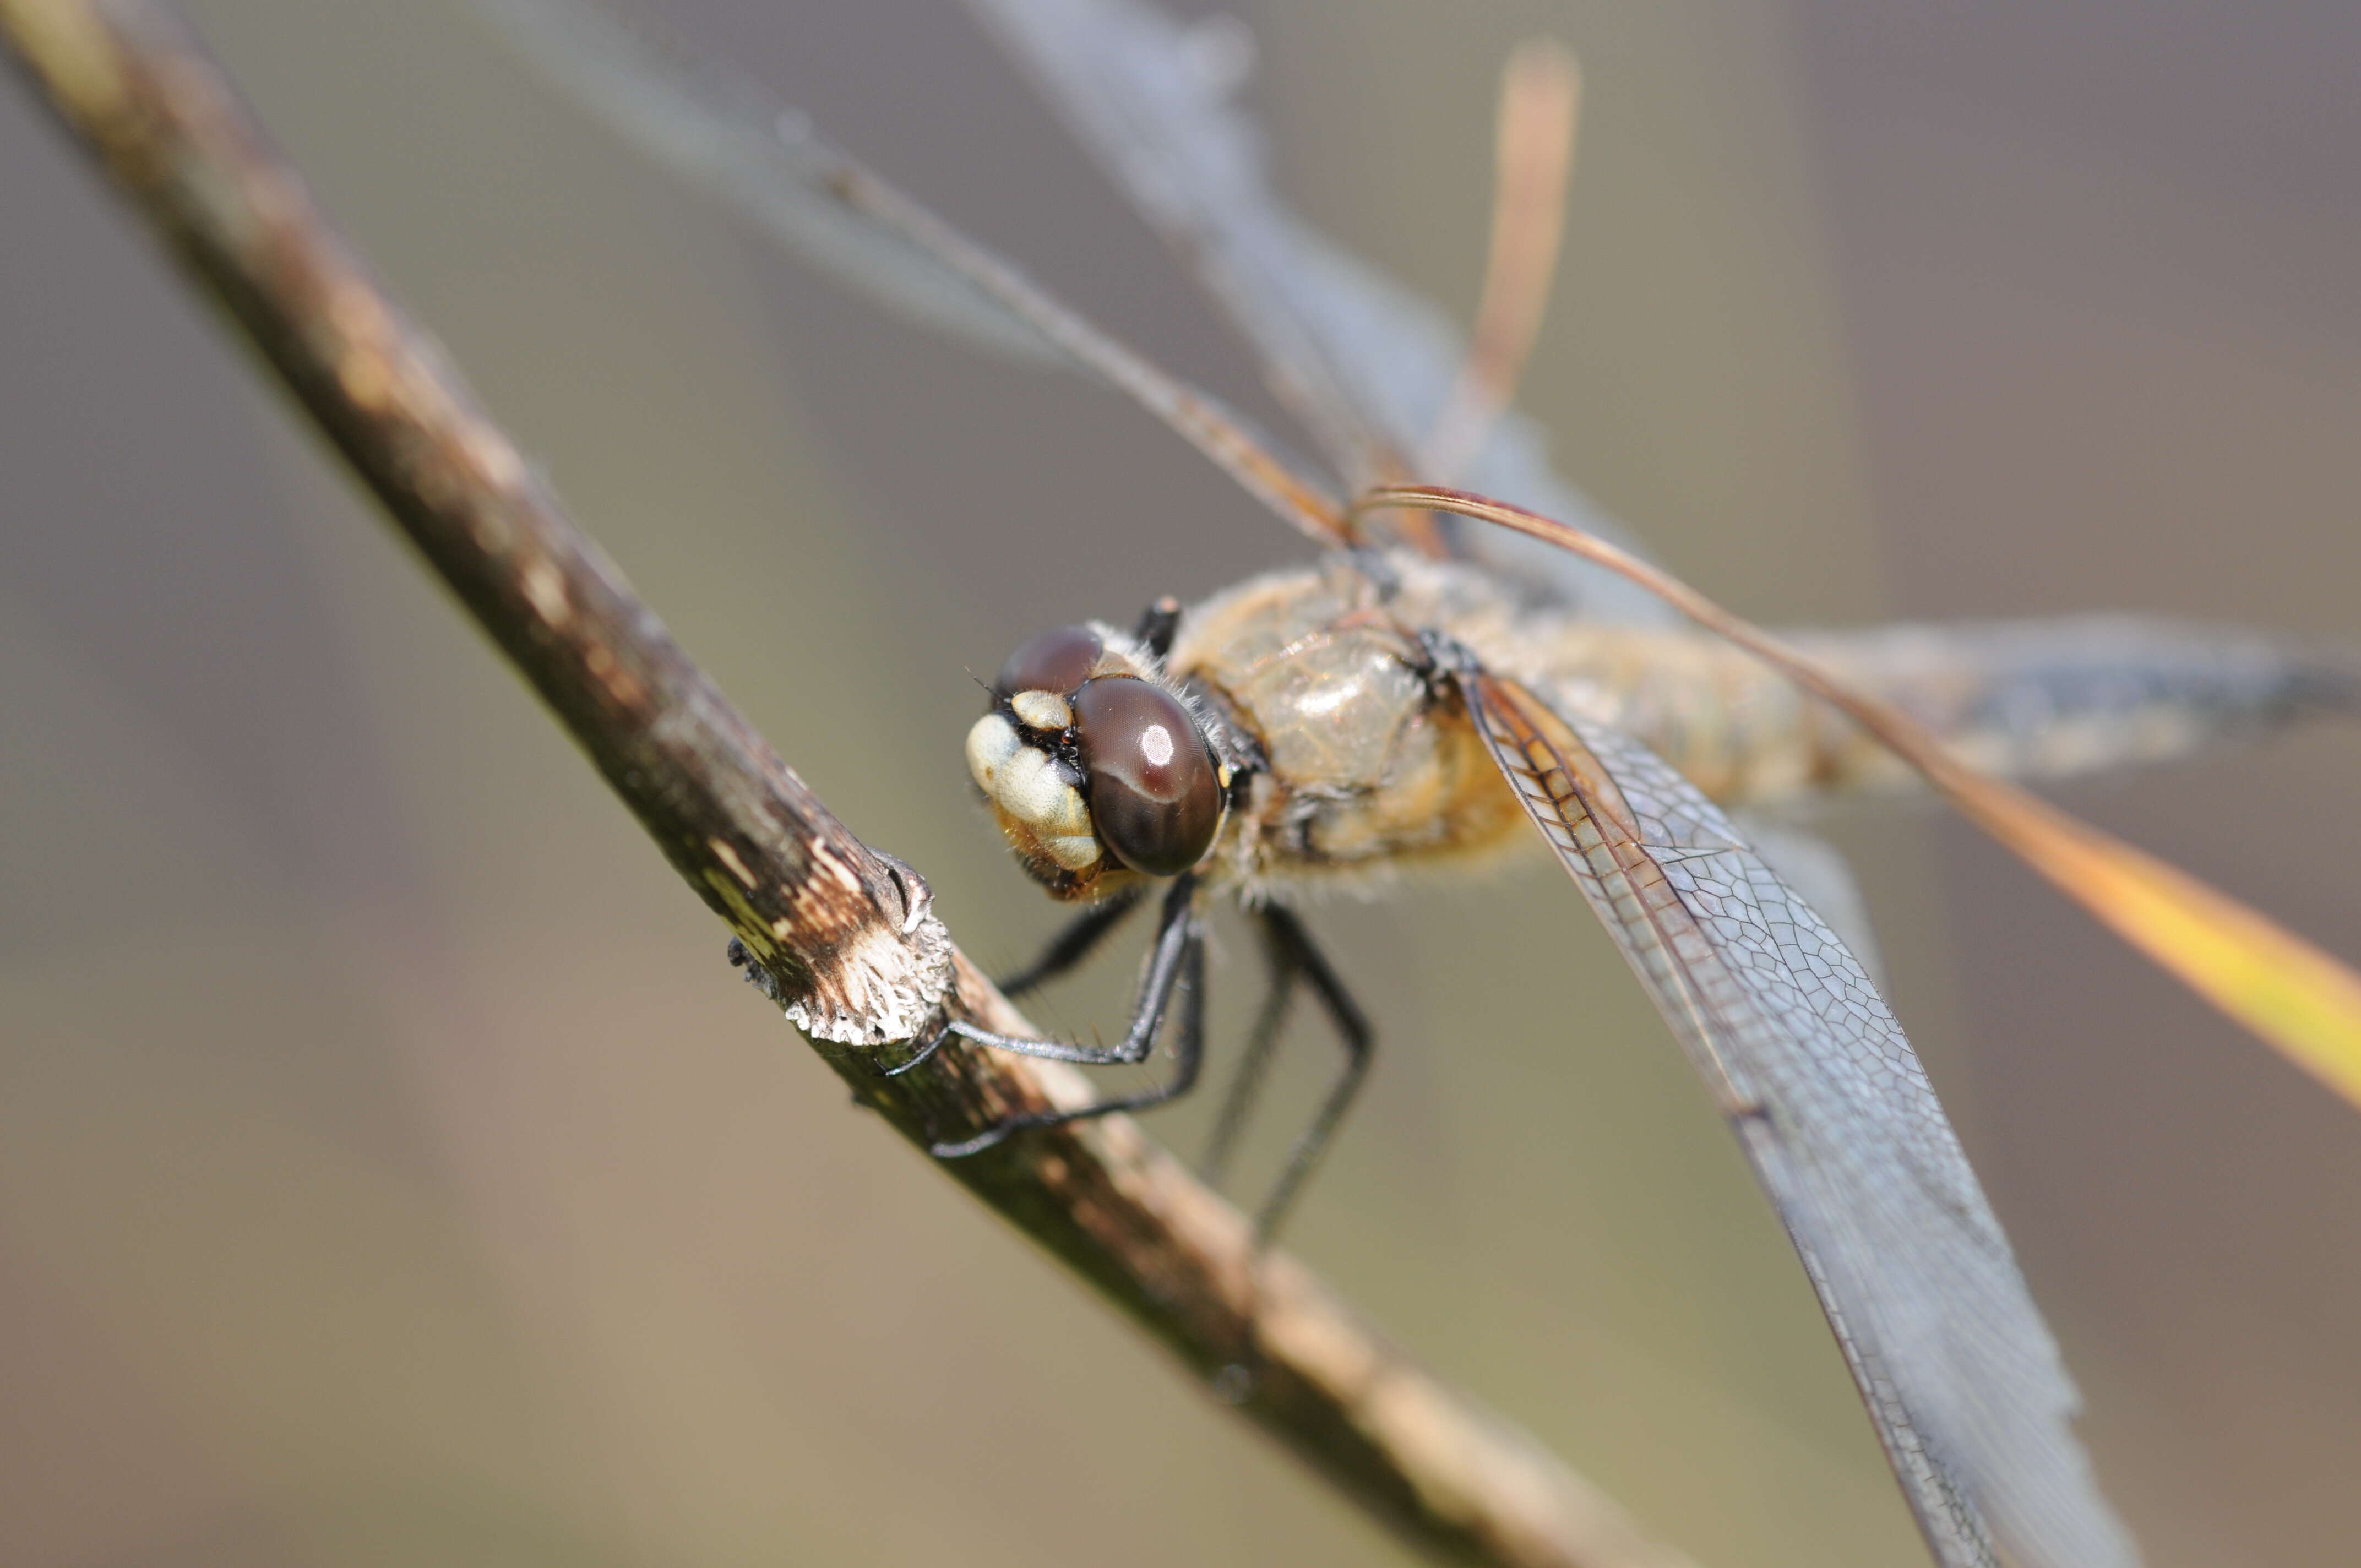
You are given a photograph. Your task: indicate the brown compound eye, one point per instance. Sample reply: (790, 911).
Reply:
(1155, 801)
(1056, 661)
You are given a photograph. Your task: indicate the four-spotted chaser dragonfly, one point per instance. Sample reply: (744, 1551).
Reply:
(1430, 692)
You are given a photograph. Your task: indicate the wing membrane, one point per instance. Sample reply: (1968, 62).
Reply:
(1816, 872)
(1961, 1376)
(1366, 365)
(765, 162)
(759, 158)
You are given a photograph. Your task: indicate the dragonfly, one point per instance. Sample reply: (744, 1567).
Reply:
(1432, 693)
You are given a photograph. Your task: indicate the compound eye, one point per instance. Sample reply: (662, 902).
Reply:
(1155, 801)
(1054, 662)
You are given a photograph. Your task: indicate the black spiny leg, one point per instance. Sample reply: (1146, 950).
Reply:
(1077, 939)
(1293, 956)
(1245, 1087)
(1177, 963)
(1158, 625)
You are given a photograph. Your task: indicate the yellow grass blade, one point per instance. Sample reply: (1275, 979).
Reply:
(2290, 994)
(2280, 986)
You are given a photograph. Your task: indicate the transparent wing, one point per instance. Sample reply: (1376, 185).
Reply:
(1366, 365)
(727, 136)
(765, 161)
(1958, 1369)
(1817, 873)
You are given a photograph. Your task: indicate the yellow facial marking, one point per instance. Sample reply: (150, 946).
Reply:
(1042, 711)
(1075, 852)
(990, 744)
(1045, 817)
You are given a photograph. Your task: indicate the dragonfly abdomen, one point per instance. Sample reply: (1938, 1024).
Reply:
(2024, 699)
(2045, 699)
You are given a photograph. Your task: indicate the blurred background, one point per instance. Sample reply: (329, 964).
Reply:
(390, 1168)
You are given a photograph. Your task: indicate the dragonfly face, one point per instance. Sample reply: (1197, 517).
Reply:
(1098, 773)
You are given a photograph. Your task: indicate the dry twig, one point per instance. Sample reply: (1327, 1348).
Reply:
(839, 935)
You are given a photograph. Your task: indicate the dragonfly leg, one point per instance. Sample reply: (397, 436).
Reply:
(1255, 1065)
(1067, 948)
(1293, 945)
(1079, 939)
(1158, 625)
(1175, 968)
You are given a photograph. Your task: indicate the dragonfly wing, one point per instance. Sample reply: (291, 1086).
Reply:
(1365, 363)
(1959, 1373)
(1816, 872)
(727, 136)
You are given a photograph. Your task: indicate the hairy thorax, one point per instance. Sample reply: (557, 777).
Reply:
(1372, 763)
(1369, 761)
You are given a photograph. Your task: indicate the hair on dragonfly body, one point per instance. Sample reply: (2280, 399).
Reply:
(1427, 693)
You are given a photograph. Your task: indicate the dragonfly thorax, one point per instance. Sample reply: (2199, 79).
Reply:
(1366, 762)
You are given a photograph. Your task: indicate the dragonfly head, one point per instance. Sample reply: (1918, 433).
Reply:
(1094, 766)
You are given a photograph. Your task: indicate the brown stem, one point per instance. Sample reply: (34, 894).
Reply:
(839, 935)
